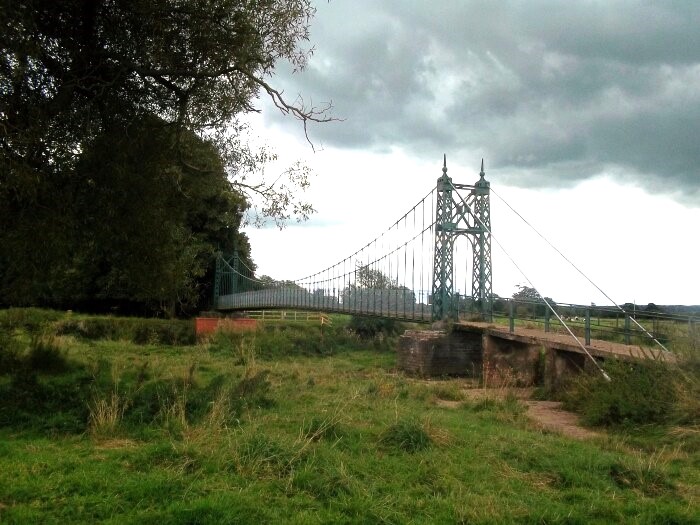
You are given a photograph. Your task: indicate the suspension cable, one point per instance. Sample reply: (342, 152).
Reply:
(581, 272)
(551, 308)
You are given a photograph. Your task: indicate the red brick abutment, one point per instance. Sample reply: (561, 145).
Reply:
(498, 357)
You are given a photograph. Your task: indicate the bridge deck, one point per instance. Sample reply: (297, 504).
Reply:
(561, 341)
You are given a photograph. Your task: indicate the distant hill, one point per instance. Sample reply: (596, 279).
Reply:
(681, 309)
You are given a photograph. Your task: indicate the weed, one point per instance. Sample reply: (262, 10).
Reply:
(407, 435)
(641, 474)
(106, 413)
(328, 427)
(173, 413)
(263, 454)
(372, 389)
(220, 414)
(484, 405)
(252, 392)
(448, 392)
(225, 342)
(506, 408)
(500, 377)
(325, 482)
(245, 352)
(319, 428)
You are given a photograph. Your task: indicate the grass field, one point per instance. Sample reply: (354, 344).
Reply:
(297, 424)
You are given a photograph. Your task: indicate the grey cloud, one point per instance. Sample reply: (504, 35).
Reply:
(550, 92)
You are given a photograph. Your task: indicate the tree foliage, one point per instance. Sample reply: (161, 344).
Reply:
(527, 293)
(373, 289)
(129, 225)
(367, 277)
(122, 165)
(71, 67)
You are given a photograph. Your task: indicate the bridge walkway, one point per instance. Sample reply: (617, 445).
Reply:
(563, 341)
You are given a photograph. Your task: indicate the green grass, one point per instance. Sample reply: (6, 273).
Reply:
(300, 425)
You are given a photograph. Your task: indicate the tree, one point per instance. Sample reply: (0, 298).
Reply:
(367, 277)
(530, 295)
(74, 65)
(526, 293)
(122, 166)
(375, 291)
(653, 308)
(72, 69)
(134, 226)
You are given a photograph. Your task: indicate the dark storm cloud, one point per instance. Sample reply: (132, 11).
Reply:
(549, 92)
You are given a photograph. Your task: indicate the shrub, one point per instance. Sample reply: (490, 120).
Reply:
(33, 320)
(638, 393)
(371, 327)
(139, 331)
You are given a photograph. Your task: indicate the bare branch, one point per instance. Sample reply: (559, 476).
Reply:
(300, 111)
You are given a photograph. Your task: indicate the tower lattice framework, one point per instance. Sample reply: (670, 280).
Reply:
(456, 216)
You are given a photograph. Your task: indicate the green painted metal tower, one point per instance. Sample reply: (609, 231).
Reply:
(454, 216)
(226, 276)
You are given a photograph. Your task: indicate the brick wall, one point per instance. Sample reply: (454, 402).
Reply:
(436, 353)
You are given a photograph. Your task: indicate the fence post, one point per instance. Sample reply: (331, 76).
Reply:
(588, 326)
(546, 318)
(511, 317)
(691, 332)
(627, 329)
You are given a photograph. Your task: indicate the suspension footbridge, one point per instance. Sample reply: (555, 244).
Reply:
(407, 272)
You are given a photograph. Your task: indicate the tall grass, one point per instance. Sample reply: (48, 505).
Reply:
(406, 435)
(639, 393)
(106, 413)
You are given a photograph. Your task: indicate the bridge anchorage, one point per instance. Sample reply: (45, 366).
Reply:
(407, 272)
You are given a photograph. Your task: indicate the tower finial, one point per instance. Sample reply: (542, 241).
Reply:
(444, 163)
(482, 169)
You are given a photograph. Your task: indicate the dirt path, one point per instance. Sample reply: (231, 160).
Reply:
(548, 415)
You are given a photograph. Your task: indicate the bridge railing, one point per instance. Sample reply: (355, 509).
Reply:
(680, 333)
(381, 302)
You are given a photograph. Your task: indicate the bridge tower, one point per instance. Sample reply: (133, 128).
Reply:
(454, 216)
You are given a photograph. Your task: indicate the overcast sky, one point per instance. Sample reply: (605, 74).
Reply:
(587, 115)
